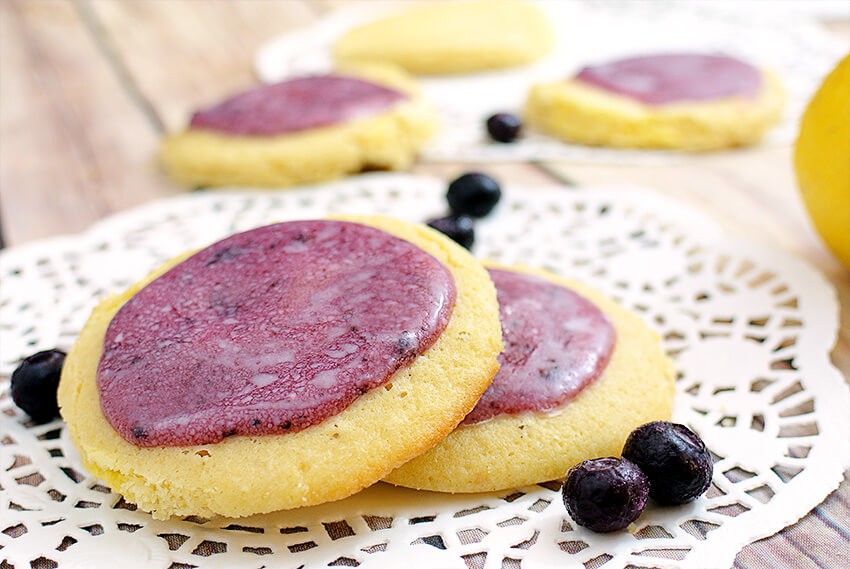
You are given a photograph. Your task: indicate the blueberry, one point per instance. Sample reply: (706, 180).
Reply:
(674, 458)
(503, 127)
(473, 194)
(460, 228)
(605, 494)
(34, 384)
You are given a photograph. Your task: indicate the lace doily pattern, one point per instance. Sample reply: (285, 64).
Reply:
(590, 31)
(749, 328)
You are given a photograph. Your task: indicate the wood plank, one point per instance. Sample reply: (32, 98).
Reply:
(811, 542)
(776, 551)
(182, 55)
(74, 144)
(325, 6)
(750, 193)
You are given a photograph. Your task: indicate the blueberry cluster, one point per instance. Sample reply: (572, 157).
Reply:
(661, 460)
(472, 195)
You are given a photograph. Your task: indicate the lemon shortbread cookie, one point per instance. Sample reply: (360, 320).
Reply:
(303, 130)
(452, 37)
(579, 373)
(281, 367)
(686, 101)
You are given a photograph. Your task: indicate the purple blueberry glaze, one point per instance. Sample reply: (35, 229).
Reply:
(269, 331)
(676, 77)
(556, 344)
(297, 104)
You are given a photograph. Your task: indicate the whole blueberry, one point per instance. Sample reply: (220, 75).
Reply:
(605, 494)
(473, 194)
(674, 458)
(504, 127)
(460, 228)
(34, 384)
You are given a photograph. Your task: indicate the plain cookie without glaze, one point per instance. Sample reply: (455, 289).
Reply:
(510, 451)
(244, 475)
(452, 37)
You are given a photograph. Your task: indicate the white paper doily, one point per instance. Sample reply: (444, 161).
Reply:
(588, 32)
(750, 330)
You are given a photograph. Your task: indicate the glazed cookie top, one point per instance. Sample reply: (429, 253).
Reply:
(675, 77)
(296, 105)
(556, 344)
(268, 331)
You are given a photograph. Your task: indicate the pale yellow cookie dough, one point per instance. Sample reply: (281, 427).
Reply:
(578, 112)
(509, 451)
(437, 38)
(386, 141)
(244, 475)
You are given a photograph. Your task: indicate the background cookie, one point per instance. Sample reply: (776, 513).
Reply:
(452, 37)
(582, 111)
(243, 475)
(509, 451)
(379, 139)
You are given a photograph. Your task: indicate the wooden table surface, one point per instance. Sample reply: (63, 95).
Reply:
(87, 88)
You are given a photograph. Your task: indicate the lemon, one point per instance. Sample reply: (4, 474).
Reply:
(822, 160)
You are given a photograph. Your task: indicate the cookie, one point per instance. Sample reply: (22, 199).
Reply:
(579, 372)
(304, 130)
(452, 37)
(684, 101)
(282, 367)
